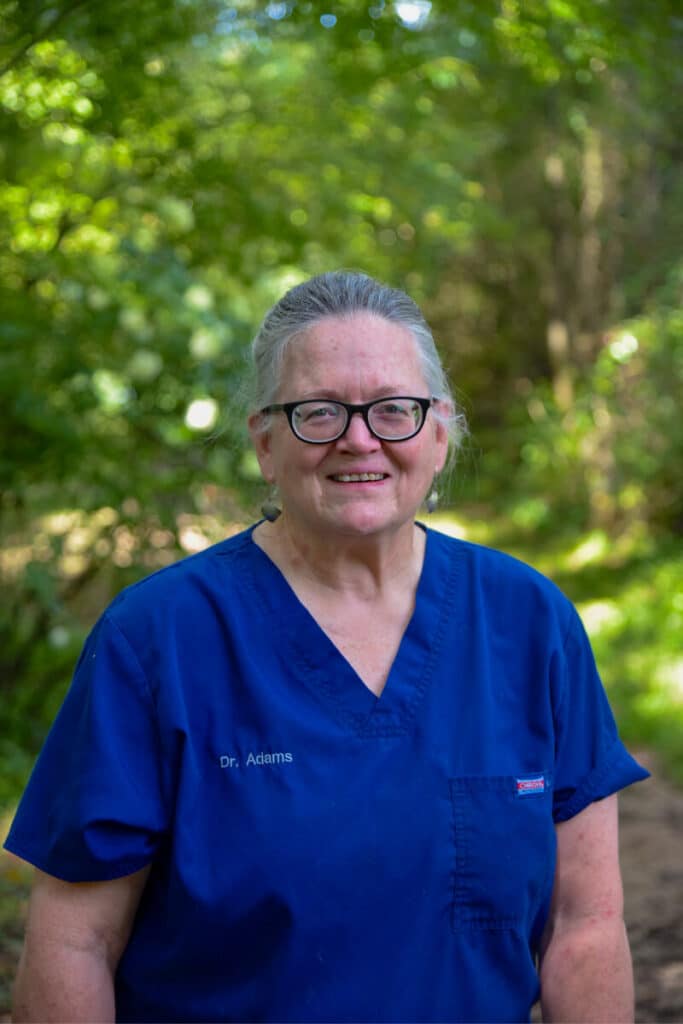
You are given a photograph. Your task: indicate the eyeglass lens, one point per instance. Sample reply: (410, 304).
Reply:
(391, 419)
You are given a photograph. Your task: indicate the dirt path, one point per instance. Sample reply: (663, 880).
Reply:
(652, 865)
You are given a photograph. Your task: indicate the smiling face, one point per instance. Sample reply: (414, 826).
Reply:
(357, 485)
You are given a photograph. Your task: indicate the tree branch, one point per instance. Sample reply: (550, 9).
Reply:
(21, 53)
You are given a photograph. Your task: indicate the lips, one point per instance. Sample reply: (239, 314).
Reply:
(358, 478)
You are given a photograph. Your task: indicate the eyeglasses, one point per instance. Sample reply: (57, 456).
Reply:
(320, 420)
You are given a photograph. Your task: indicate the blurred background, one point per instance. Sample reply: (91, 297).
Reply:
(169, 167)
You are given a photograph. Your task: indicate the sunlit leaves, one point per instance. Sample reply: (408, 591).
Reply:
(165, 176)
(201, 414)
(55, 81)
(449, 72)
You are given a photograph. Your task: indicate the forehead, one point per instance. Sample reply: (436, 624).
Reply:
(361, 352)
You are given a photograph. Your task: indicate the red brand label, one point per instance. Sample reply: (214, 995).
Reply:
(534, 785)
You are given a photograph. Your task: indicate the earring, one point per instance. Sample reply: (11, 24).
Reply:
(432, 498)
(269, 509)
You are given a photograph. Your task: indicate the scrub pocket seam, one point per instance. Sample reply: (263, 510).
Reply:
(467, 889)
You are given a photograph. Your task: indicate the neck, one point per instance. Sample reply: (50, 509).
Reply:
(365, 566)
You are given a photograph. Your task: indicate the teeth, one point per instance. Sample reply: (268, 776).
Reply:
(350, 478)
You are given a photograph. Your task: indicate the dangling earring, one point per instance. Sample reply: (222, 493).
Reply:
(270, 510)
(432, 498)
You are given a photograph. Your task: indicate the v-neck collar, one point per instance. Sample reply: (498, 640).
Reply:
(323, 668)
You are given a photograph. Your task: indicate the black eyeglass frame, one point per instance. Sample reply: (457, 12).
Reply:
(364, 409)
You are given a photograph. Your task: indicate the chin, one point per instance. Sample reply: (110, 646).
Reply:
(366, 522)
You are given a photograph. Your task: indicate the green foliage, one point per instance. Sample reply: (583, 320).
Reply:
(168, 167)
(613, 458)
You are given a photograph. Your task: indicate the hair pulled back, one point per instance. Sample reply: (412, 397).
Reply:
(342, 293)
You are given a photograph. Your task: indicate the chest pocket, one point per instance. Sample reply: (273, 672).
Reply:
(504, 851)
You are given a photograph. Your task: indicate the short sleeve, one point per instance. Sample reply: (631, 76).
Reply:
(93, 808)
(591, 762)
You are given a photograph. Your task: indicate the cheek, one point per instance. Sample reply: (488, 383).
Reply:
(424, 461)
(292, 466)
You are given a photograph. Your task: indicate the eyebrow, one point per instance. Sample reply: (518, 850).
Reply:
(388, 391)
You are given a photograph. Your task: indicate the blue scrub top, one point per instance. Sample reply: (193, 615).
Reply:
(321, 854)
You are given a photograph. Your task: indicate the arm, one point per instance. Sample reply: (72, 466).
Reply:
(75, 935)
(586, 973)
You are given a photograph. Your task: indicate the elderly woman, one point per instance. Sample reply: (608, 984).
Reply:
(339, 767)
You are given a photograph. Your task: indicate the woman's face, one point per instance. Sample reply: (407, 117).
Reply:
(354, 359)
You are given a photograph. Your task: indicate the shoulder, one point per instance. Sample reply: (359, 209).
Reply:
(487, 565)
(189, 583)
(502, 584)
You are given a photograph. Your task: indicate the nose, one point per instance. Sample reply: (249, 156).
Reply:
(358, 437)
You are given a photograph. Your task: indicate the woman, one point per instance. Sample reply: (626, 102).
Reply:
(338, 767)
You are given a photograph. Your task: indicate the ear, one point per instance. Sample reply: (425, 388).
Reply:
(261, 440)
(445, 410)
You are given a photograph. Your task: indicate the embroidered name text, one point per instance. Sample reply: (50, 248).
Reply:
(263, 757)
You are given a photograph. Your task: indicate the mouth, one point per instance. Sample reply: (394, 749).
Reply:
(358, 478)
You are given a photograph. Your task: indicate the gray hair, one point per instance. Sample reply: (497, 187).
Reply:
(343, 293)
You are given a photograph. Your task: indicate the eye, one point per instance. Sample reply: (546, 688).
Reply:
(315, 412)
(395, 410)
